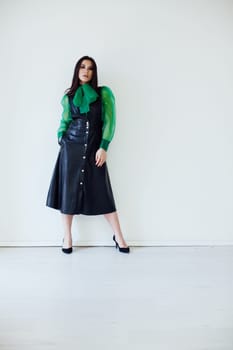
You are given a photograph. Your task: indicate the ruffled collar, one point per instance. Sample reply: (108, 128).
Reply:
(84, 96)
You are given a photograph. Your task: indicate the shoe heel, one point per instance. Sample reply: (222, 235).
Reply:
(123, 249)
(115, 241)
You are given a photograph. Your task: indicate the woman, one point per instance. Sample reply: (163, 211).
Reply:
(80, 183)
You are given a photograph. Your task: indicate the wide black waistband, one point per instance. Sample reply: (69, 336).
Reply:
(81, 124)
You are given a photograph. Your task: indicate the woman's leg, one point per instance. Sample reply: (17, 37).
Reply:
(67, 224)
(112, 218)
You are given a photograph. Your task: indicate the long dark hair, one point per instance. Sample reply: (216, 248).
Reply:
(76, 83)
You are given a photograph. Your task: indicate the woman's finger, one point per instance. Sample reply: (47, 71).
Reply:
(98, 160)
(101, 162)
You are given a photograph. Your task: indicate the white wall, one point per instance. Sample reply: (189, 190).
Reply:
(169, 64)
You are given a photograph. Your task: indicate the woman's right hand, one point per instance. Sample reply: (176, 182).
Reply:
(100, 157)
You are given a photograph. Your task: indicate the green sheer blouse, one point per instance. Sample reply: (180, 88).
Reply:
(82, 98)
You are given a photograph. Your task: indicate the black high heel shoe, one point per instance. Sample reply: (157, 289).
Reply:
(123, 249)
(67, 250)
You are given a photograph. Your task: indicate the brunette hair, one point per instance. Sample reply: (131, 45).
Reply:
(75, 81)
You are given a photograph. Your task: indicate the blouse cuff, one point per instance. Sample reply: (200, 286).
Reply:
(60, 134)
(104, 144)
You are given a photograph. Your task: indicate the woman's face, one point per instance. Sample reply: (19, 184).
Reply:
(85, 71)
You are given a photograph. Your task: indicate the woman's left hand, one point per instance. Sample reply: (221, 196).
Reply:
(100, 157)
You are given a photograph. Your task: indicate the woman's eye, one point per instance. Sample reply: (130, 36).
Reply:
(89, 68)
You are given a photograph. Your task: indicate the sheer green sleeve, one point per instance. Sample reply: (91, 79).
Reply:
(66, 117)
(108, 116)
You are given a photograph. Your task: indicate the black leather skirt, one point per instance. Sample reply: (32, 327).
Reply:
(78, 186)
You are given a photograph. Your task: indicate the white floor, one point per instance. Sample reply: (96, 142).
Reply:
(160, 298)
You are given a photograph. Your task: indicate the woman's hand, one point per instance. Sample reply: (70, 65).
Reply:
(100, 157)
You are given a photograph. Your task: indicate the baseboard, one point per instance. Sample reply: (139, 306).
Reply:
(110, 244)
